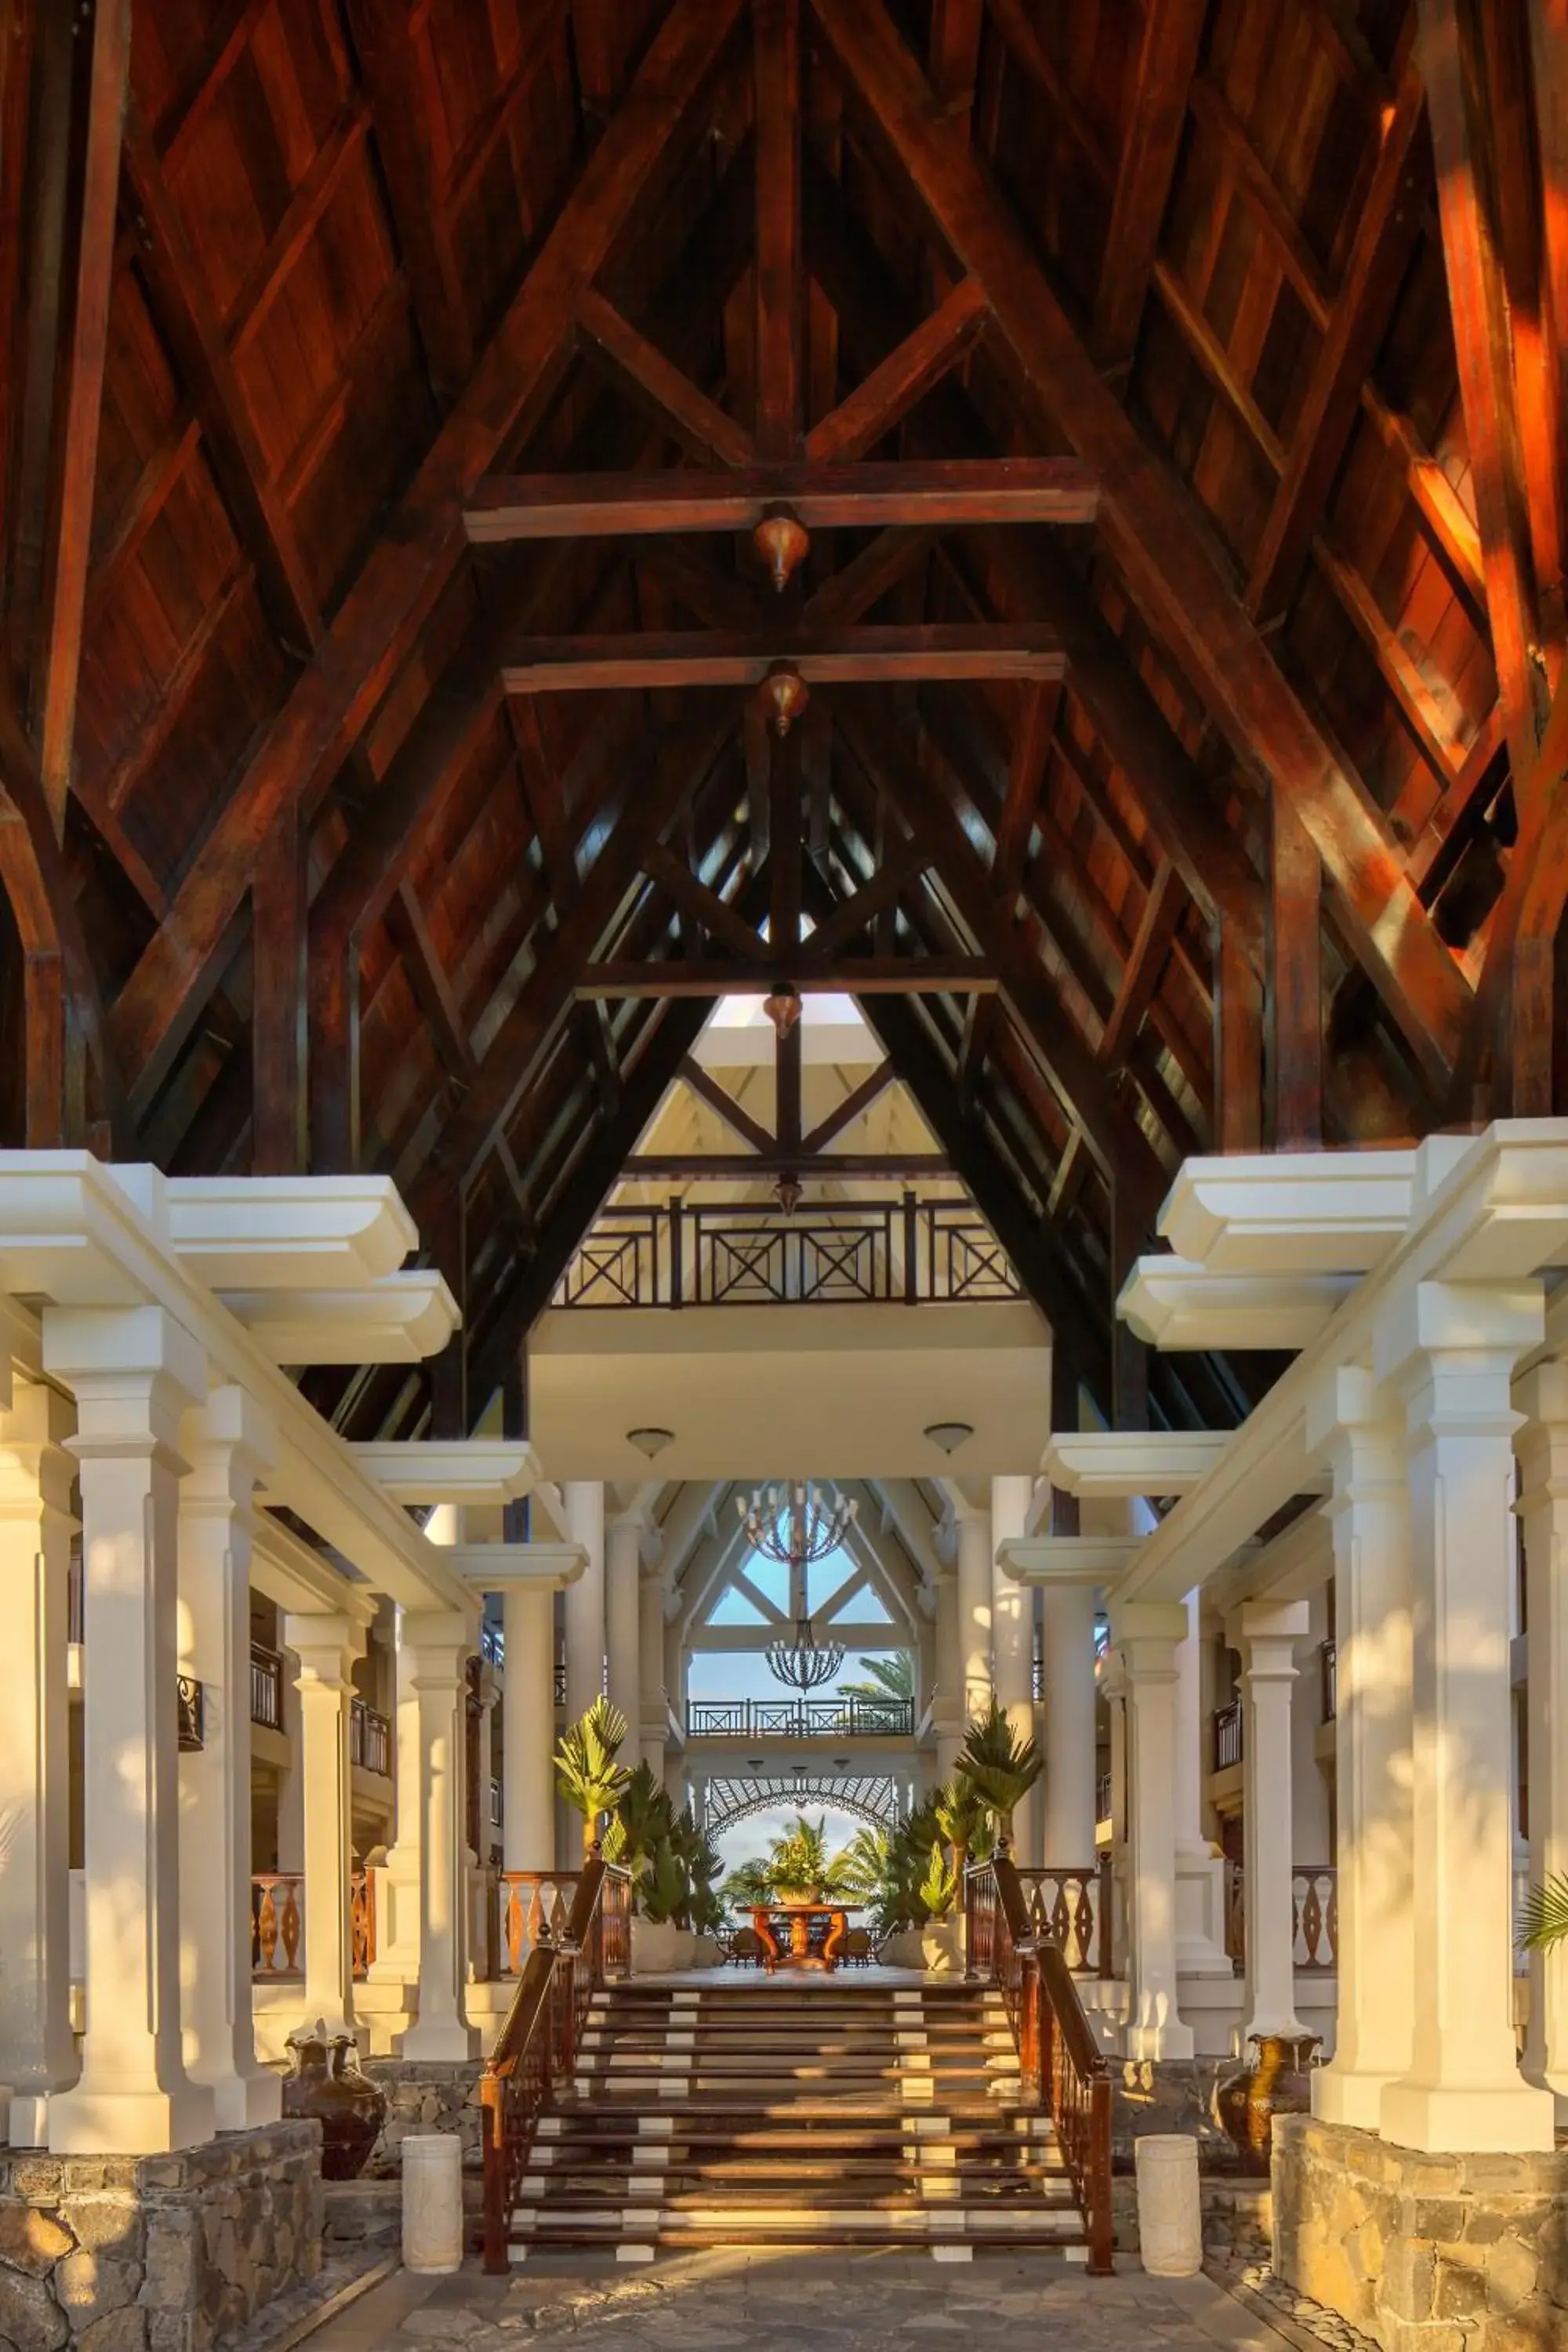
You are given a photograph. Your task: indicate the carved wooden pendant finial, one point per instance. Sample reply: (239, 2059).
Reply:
(783, 692)
(783, 543)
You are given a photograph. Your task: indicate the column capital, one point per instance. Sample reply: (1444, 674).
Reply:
(132, 1370)
(1348, 1404)
(326, 1645)
(1266, 1634)
(230, 1445)
(1450, 1349)
(35, 1457)
(1146, 1633)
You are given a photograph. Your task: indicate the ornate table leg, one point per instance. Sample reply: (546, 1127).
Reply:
(837, 1927)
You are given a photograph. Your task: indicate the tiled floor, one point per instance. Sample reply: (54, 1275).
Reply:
(735, 2302)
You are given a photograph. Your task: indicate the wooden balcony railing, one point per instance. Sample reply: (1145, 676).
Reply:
(537, 2046)
(278, 1924)
(1071, 1908)
(1060, 2066)
(535, 1906)
(370, 1740)
(800, 1718)
(838, 1253)
(265, 1688)
(1226, 1735)
(1315, 1917)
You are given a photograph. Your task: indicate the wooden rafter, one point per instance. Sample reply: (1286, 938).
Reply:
(718, 657)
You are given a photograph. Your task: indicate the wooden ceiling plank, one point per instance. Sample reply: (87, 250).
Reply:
(719, 657)
(780, 283)
(1167, 59)
(397, 104)
(1237, 1045)
(663, 391)
(868, 577)
(715, 915)
(1448, 47)
(186, 313)
(1025, 778)
(1385, 236)
(1548, 33)
(1429, 718)
(885, 396)
(503, 508)
(251, 308)
(542, 795)
(83, 361)
(853, 914)
(1029, 53)
(278, 999)
(432, 989)
(1163, 552)
(1444, 516)
(1213, 114)
(953, 55)
(422, 545)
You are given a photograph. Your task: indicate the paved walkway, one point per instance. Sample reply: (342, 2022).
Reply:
(735, 2302)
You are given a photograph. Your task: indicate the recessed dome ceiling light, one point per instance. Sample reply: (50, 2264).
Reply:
(950, 1435)
(650, 1441)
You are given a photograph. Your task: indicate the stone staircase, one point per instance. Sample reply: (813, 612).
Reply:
(774, 2113)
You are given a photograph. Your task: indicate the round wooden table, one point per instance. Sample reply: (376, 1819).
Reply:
(802, 1935)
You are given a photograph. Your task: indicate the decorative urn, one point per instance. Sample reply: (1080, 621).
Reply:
(327, 2087)
(1278, 2082)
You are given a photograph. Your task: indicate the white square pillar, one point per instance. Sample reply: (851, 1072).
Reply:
(584, 1501)
(133, 1372)
(623, 1573)
(1357, 1426)
(1012, 1646)
(437, 1643)
(1147, 1633)
(528, 1727)
(1266, 1634)
(230, 1446)
(1068, 1837)
(1541, 1448)
(326, 1646)
(37, 2054)
(1451, 1348)
(974, 1608)
(1199, 1870)
(653, 1717)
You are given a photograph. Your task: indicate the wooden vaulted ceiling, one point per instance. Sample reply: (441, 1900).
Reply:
(1239, 830)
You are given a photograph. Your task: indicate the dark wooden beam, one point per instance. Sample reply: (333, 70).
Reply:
(1387, 233)
(811, 1167)
(84, 358)
(1237, 1046)
(720, 1099)
(1450, 43)
(1154, 533)
(862, 496)
(1167, 56)
(716, 916)
(854, 914)
(867, 655)
(855, 1105)
(1140, 976)
(903, 378)
(923, 975)
(1294, 1004)
(1026, 777)
(422, 545)
(662, 390)
(780, 284)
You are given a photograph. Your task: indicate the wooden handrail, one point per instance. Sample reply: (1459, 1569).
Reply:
(1060, 2066)
(538, 2041)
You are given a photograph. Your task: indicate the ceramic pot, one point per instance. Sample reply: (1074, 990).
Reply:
(1277, 2082)
(328, 2087)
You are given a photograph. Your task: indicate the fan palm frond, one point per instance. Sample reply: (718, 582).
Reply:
(1001, 1768)
(1545, 1921)
(586, 1772)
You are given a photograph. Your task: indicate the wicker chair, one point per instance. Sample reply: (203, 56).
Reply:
(745, 1949)
(855, 1949)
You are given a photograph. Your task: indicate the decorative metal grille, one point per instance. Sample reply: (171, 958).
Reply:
(729, 1797)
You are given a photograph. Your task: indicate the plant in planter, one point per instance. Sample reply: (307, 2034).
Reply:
(1001, 1767)
(799, 1870)
(939, 1888)
(586, 1772)
(664, 1887)
(699, 1858)
(643, 1817)
(963, 1817)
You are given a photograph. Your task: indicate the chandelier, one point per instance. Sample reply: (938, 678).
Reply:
(795, 1527)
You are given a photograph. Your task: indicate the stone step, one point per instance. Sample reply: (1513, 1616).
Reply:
(742, 2129)
(612, 2183)
(802, 2225)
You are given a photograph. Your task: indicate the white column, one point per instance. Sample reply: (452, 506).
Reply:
(1200, 1871)
(396, 1962)
(326, 1646)
(439, 1642)
(974, 1610)
(1451, 1351)
(527, 1713)
(38, 2055)
(947, 1707)
(1012, 1633)
(1067, 1835)
(1113, 1689)
(1147, 1633)
(1266, 1634)
(652, 1707)
(1542, 1447)
(230, 1446)
(133, 1370)
(1357, 1426)
(623, 1571)
(584, 1501)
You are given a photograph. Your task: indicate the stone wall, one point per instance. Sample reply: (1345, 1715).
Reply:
(156, 2253)
(424, 2096)
(1424, 2253)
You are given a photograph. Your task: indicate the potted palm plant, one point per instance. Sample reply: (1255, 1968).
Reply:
(586, 1771)
(1001, 1767)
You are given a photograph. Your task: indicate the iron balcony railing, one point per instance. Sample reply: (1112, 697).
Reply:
(265, 1688)
(806, 1719)
(843, 1253)
(370, 1739)
(1227, 1736)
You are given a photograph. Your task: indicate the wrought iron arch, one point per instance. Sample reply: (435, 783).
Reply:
(729, 1797)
